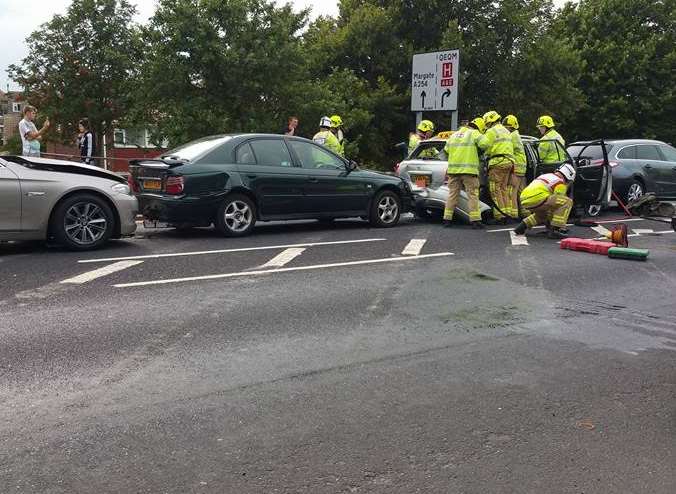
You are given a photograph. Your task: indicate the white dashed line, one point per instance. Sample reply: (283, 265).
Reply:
(518, 239)
(284, 258)
(98, 273)
(226, 251)
(640, 231)
(282, 270)
(414, 247)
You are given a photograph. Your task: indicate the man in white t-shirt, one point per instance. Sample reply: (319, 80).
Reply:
(30, 135)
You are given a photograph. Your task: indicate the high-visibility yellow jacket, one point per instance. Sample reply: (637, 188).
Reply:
(519, 154)
(413, 142)
(340, 136)
(462, 149)
(539, 190)
(499, 151)
(548, 150)
(327, 139)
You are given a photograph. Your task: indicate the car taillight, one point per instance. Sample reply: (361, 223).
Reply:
(174, 185)
(133, 185)
(396, 168)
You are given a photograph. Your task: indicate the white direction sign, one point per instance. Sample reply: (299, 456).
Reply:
(434, 82)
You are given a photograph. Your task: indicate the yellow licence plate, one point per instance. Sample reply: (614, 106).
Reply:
(152, 184)
(420, 180)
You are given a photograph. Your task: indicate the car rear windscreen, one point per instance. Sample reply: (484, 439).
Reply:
(591, 152)
(430, 151)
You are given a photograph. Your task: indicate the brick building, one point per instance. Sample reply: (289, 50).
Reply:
(11, 104)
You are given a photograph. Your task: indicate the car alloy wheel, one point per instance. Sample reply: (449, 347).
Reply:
(85, 223)
(388, 209)
(385, 209)
(594, 210)
(635, 192)
(238, 216)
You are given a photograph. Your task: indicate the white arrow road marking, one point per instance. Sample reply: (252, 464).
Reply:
(414, 247)
(98, 273)
(282, 270)
(225, 251)
(284, 258)
(601, 230)
(518, 239)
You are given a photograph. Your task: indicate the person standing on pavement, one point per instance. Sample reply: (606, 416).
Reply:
(517, 179)
(500, 155)
(291, 128)
(424, 131)
(462, 149)
(337, 129)
(30, 135)
(547, 200)
(549, 151)
(86, 142)
(325, 137)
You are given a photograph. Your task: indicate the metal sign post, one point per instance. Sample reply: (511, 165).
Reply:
(434, 83)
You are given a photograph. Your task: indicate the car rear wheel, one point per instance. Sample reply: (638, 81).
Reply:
(82, 222)
(236, 216)
(593, 210)
(385, 209)
(635, 191)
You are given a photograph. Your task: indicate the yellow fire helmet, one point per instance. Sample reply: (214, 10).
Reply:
(491, 116)
(510, 121)
(336, 121)
(545, 121)
(480, 124)
(426, 126)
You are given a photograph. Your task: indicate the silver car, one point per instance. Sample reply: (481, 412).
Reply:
(78, 206)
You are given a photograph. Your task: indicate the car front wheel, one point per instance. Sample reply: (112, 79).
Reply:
(236, 216)
(385, 209)
(82, 222)
(635, 191)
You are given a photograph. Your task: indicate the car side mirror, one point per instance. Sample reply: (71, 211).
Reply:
(351, 165)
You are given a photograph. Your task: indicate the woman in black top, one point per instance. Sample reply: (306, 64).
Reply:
(86, 142)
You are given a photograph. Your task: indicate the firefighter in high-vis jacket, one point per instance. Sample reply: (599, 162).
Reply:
(337, 129)
(517, 179)
(549, 151)
(547, 200)
(424, 131)
(325, 137)
(462, 149)
(500, 156)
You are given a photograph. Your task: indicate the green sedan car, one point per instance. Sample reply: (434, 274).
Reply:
(232, 181)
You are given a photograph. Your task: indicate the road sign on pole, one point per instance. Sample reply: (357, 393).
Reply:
(434, 81)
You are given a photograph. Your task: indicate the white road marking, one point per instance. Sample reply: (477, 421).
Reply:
(664, 232)
(98, 273)
(601, 230)
(512, 228)
(414, 247)
(639, 231)
(282, 270)
(619, 221)
(518, 239)
(226, 251)
(284, 258)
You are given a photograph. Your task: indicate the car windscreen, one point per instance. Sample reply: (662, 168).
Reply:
(591, 152)
(429, 151)
(194, 149)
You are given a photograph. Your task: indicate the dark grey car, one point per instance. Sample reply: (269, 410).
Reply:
(638, 166)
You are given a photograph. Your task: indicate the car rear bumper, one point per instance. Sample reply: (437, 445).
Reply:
(179, 209)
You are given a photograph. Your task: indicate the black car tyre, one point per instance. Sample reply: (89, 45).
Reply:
(82, 222)
(385, 209)
(236, 216)
(635, 191)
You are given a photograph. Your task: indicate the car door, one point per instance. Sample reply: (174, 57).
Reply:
(330, 187)
(10, 200)
(668, 154)
(656, 170)
(593, 173)
(267, 169)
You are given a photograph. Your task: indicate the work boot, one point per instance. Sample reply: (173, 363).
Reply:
(556, 233)
(448, 223)
(521, 228)
(477, 225)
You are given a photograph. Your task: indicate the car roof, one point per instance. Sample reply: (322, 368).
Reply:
(619, 142)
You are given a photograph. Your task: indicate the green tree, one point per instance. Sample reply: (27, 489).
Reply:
(629, 53)
(82, 64)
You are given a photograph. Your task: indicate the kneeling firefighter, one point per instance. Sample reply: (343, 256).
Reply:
(546, 199)
(462, 149)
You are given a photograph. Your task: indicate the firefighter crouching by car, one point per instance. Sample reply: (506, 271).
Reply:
(500, 156)
(462, 149)
(546, 198)
(325, 137)
(548, 150)
(424, 131)
(337, 129)
(517, 179)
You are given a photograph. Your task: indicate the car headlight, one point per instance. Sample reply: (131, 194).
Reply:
(122, 189)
